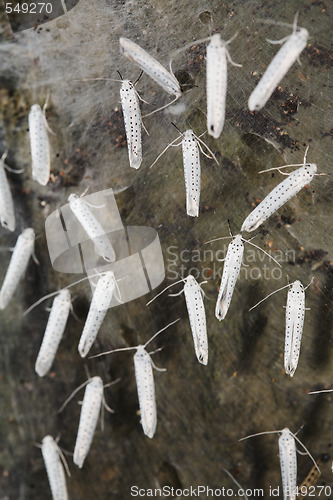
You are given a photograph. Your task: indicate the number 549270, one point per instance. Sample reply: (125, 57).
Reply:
(28, 8)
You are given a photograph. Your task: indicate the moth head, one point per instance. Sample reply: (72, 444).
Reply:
(72, 197)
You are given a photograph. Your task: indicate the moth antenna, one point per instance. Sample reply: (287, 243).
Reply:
(258, 434)
(268, 296)
(64, 461)
(230, 228)
(113, 350)
(318, 392)
(236, 482)
(72, 395)
(139, 77)
(181, 133)
(305, 448)
(112, 383)
(57, 292)
(164, 150)
(266, 253)
(160, 331)
(169, 286)
(163, 107)
(217, 239)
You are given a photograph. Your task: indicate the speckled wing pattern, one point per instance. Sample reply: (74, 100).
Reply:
(192, 173)
(53, 332)
(295, 312)
(279, 196)
(278, 67)
(7, 214)
(17, 266)
(54, 469)
(91, 405)
(288, 464)
(146, 391)
(100, 303)
(150, 66)
(231, 268)
(197, 316)
(92, 227)
(39, 144)
(216, 81)
(132, 118)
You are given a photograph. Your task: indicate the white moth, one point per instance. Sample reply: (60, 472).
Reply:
(143, 366)
(192, 170)
(132, 118)
(288, 464)
(192, 173)
(231, 269)
(196, 313)
(295, 312)
(279, 66)
(91, 407)
(129, 98)
(197, 316)
(92, 227)
(149, 65)
(53, 333)
(216, 76)
(288, 460)
(98, 308)
(280, 194)
(7, 215)
(17, 266)
(216, 80)
(39, 144)
(90, 410)
(54, 468)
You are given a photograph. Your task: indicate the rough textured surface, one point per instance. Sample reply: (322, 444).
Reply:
(202, 411)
